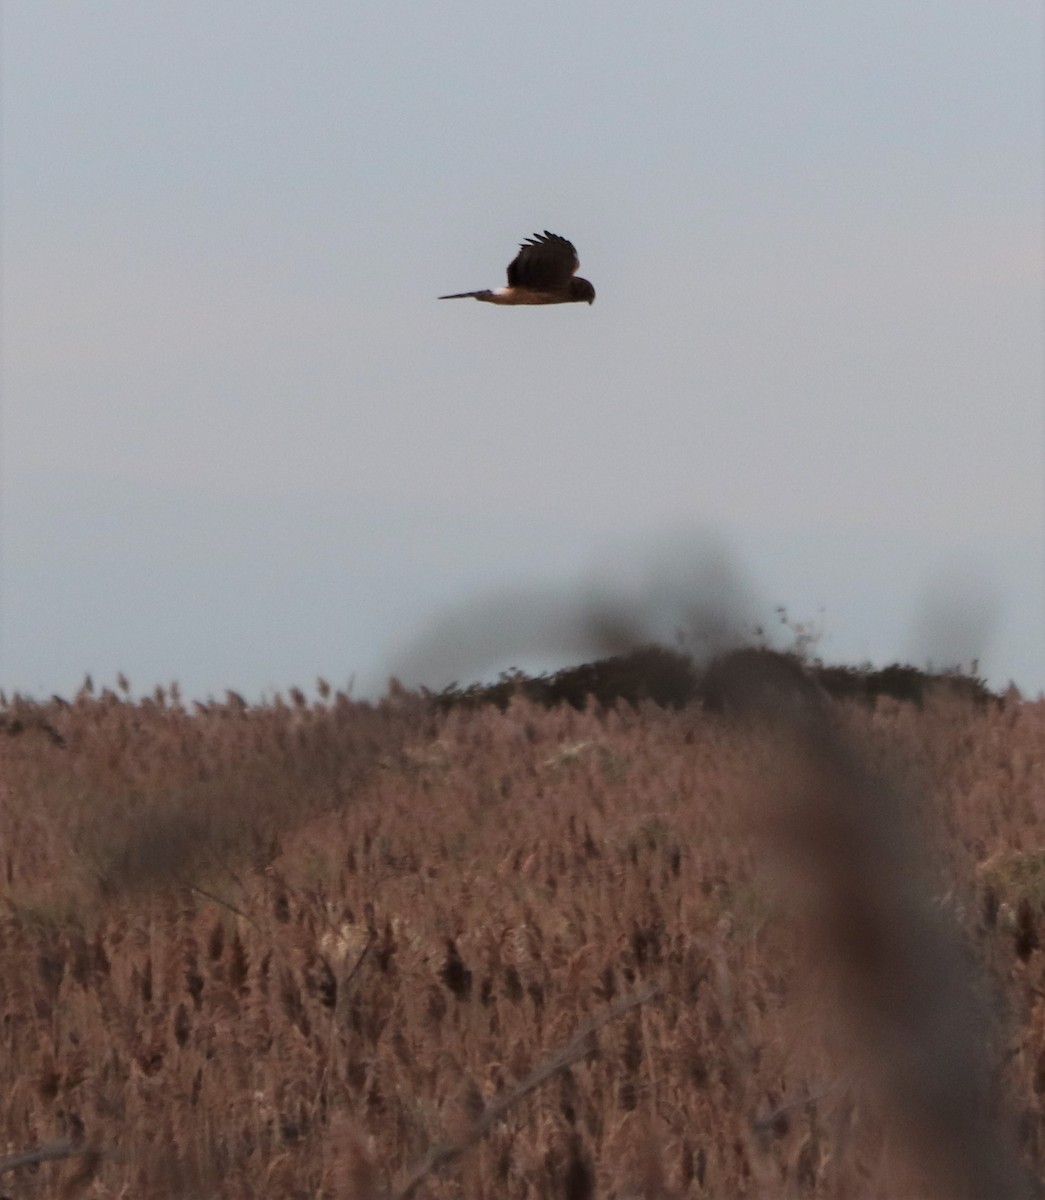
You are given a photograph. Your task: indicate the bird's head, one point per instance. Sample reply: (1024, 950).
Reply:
(581, 289)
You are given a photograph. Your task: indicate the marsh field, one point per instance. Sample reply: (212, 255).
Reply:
(781, 945)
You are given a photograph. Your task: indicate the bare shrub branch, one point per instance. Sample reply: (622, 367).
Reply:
(576, 1048)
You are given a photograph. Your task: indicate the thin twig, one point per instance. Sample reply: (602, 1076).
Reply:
(215, 899)
(343, 986)
(53, 1152)
(576, 1048)
(764, 1123)
(339, 1005)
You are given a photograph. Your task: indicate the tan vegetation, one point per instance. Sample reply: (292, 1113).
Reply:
(306, 949)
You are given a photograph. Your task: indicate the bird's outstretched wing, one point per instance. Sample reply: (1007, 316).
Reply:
(545, 262)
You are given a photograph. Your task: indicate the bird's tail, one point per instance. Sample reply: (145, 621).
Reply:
(483, 295)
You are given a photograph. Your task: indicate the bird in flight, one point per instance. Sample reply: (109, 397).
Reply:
(543, 272)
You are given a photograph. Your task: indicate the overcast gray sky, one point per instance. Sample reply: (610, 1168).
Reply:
(243, 444)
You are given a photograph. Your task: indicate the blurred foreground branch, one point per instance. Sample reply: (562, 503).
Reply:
(907, 987)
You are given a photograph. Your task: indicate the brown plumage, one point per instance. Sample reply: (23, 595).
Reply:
(543, 272)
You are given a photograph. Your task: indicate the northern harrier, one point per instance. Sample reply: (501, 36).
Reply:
(543, 272)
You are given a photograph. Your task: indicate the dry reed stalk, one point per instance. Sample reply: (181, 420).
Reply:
(83, 1175)
(353, 1173)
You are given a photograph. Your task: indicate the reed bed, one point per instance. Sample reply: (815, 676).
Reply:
(332, 949)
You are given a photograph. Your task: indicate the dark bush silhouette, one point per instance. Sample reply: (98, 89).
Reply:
(671, 679)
